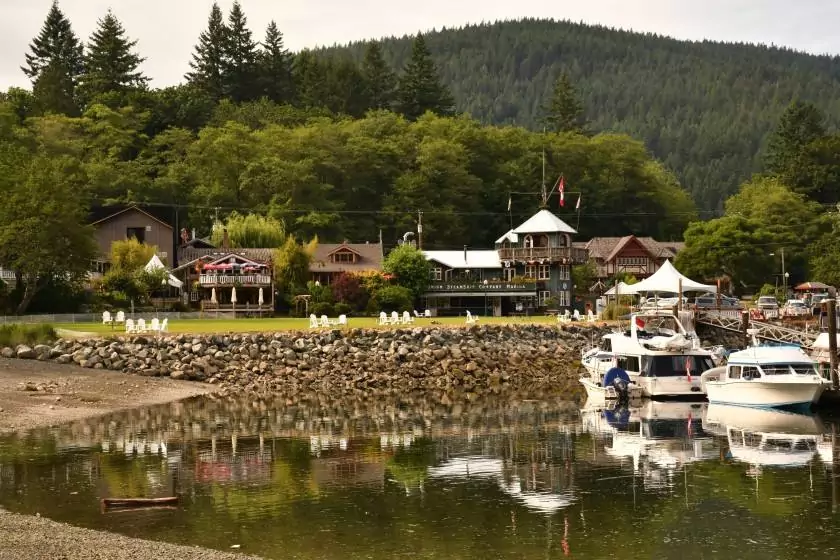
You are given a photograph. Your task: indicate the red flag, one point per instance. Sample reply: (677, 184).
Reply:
(688, 368)
(561, 186)
(577, 206)
(640, 323)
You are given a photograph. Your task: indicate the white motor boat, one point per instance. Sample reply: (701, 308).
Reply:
(614, 385)
(658, 353)
(765, 376)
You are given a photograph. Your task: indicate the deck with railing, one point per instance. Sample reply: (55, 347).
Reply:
(573, 254)
(213, 280)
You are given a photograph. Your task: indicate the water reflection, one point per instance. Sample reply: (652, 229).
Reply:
(423, 476)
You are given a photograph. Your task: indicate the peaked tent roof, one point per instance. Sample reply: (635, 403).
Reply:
(156, 264)
(667, 279)
(544, 222)
(622, 289)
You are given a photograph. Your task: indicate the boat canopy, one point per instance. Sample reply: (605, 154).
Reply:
(668, 280)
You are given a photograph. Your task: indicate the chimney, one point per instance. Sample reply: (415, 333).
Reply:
(225, 239)
(465, 254)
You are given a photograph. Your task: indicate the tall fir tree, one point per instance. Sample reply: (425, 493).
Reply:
(275, 67)
(111, 65)
(800, 125)
(241, 57)
(54, 63)
(380, 80)
(208, 61)
(564, 111)
(420, 88)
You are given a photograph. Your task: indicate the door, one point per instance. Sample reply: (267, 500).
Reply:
(509, 274)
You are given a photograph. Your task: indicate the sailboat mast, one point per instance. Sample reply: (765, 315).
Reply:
(544, 192)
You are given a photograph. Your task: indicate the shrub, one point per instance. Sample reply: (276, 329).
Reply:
(348, 288)
(613, 311)
(342, 309)
(14, 334)
(392, 298)
(322, 308)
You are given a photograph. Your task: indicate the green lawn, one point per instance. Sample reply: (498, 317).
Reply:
(286, 324)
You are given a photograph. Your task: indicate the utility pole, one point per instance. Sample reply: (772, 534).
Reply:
(832, 341)
(420, 230)
(784, 274)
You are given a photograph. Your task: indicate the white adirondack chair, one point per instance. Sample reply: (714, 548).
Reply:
(342, 321)
(576, 315)
(427, 314)
(407, 319)
(120, 317)
(416, 315)
(129, 325)
(155, 325)
(590, 316)
(564, 317)
(395, 318)
(164, 325)
(313, 321)
(383, 318)
(324, 322)
(106, 318)
(141, 325)
(470, 319)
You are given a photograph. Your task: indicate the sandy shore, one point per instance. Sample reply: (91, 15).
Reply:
(35, 394)
(24, 537)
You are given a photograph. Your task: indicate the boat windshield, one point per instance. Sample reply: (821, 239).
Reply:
(675, 366)
(787, 369)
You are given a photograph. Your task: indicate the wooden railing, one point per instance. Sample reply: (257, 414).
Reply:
(235, 279)
(574, 254)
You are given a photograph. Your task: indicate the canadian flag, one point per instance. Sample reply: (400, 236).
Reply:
(561, 186)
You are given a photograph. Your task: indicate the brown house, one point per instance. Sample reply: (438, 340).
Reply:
(332, 260)
(638, 256)
(119, 225)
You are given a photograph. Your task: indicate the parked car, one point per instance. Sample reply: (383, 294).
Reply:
(767, 303)
(710, 301)
(795, 308)
(816, 302)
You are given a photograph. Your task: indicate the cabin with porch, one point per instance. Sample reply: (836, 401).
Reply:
(333, 259)
(119, 223)
(636, 256)
(528, 271)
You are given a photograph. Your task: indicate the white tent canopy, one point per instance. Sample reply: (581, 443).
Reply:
(619, 289)
(156, 264)
(669, 279)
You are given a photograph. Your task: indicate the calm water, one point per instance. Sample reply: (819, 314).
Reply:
(497, 478)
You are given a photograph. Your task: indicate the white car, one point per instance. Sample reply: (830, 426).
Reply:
(795, 308)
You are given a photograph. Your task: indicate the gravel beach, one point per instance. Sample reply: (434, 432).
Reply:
(24, 537)
(35, 394)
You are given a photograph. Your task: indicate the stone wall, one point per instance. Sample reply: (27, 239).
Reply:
(477, 359)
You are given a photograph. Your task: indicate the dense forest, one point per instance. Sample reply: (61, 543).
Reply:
(704, 108)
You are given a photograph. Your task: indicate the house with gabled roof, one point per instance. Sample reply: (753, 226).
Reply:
(333, 259)
(637, 256)
(528, 270)
(121, 222)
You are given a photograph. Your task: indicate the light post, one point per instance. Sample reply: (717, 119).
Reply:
(485, 298)
(785, 274)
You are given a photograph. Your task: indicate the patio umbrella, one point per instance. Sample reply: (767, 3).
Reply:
(260, 300)
(233, 295)
(213, 296)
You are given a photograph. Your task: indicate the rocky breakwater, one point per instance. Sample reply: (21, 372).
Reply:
(479, 358)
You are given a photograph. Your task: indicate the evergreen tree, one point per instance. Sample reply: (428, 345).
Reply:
(111, 65)
(380, 80)
(564, 112)
(54, 63)
(420, 88)
(801, 124)
(208, 61)
(275, 67)
(240, 60)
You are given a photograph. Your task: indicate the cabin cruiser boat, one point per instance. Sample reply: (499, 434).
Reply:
(659, 355)
(765, 376)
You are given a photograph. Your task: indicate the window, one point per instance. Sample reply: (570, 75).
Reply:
(530, 271)
(562, 241)
(437, 273)
(563, 298)
(509, 274)
(544, 272)
(734, 372)
(343, 257)
(194, 296)
(631, 261)
(138, 233)
(529, 242)
(628, 363)
(543, 297)
(750, 372)
(565, 272)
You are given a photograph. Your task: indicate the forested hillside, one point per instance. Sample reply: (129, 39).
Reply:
(705, 109)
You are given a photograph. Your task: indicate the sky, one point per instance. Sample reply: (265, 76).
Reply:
(167, 30)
